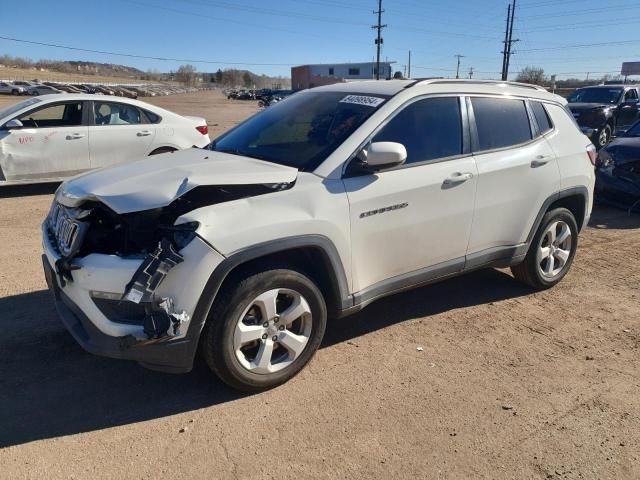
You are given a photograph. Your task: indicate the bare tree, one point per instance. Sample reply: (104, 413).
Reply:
(186, 74)
(533, 75)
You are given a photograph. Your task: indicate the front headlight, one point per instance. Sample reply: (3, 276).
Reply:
(605, 160)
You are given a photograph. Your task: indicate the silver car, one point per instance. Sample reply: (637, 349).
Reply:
(11, 89)
(42, 90)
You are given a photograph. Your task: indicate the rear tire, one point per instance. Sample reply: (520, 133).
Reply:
(551, 251)
(252, 347)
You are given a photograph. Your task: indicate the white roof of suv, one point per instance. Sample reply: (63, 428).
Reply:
(393, 87)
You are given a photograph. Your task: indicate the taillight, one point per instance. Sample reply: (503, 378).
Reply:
(593, 154)
(203, 129)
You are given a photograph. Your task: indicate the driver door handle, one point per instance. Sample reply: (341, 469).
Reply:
(540, 160)
(144, 133)
(457, 178)
(75, 136)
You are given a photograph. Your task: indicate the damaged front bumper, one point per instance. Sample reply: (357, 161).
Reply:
(91, 303)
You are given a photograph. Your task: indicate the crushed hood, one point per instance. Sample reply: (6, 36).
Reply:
(156, 181)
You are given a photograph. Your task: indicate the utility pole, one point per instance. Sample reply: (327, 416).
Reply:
(470, 73)
(379, 39)
(459, 57)
(510, 42)
(409, 72)
(506, 40)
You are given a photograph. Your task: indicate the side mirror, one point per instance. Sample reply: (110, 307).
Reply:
(382, 155)
(13, 124)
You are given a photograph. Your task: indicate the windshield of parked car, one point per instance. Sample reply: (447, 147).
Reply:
(596, 95)
(302, 130)
(634, 131)
(18, 106)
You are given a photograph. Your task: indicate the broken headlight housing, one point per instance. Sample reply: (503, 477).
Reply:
(183, 234)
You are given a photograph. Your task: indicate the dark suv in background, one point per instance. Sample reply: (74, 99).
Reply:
(607, 109)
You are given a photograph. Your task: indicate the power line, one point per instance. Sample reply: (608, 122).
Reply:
(583, 45)
(132, 55)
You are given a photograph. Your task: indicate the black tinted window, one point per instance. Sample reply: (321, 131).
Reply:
(429, 129)
(542, 118)
(501, 122)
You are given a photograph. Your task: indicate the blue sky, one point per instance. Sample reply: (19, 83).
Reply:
(292, 32)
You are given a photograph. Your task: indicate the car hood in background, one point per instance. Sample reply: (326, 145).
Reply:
(624, 149)
(583, 107)
(156, 181)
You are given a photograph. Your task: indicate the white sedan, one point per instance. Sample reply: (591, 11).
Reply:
(52, 137)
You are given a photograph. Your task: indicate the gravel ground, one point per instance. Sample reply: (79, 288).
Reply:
(508, 384)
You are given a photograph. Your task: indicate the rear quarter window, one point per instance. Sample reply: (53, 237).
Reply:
(542, 118)
(152, 117)
(500, 122)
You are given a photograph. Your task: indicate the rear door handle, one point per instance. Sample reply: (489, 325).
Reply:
(540, 161)
(457, 178)
(75, 136)
(144, 133)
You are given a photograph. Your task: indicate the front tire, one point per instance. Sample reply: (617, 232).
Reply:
(604, 137)
(551, 251)
(264, 330)
(15, 92)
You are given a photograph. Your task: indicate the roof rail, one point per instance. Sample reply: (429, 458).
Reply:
(434, 81)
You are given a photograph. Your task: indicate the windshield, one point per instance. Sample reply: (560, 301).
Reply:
(18, 106)
(302, 130)
(634, 131)
(596, 95)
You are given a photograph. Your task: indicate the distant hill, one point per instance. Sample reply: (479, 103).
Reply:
(27, 69)
(72, 67)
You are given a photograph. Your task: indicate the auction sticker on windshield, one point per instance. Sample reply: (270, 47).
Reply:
(362, 100)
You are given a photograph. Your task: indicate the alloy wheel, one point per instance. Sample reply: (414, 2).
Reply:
(273, 331)
(554, 250)
(603, 139)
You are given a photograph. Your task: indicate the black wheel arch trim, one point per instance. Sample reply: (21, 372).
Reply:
(330, 256)
(570, 192)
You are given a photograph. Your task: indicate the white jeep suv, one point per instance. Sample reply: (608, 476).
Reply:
(315, 207)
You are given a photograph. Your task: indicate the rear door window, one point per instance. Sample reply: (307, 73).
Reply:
(111, 113)
(500, 122)
(430, 129)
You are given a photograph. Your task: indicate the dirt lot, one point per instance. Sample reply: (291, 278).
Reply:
(511, 383)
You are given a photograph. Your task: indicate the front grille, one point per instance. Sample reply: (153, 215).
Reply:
(65, 229)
